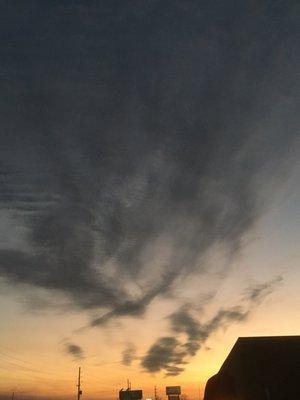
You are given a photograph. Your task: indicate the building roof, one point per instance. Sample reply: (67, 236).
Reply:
(260, 368)
(282, 348)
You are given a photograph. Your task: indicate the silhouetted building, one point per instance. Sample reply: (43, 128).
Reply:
(129, 394)
(173, 392)
(258, 368)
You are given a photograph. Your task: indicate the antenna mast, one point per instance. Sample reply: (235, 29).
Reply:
(79, 391)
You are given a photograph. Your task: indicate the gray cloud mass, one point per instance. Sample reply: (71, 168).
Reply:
(125, 127)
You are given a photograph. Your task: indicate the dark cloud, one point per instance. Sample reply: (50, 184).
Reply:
(129, 127)
(129, 354)
(163, 354)
(74, 350)
(173, 370)
(168, 354)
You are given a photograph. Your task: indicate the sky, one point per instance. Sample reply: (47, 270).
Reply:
(149, 190)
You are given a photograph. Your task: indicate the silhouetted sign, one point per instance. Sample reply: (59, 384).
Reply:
(173, 397)
(173, 390)
(130, 394)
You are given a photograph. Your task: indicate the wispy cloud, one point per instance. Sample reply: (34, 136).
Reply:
(129, 354)
(168, 354)
(74, 350)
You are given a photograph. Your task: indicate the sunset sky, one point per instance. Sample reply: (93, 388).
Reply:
(149, 190)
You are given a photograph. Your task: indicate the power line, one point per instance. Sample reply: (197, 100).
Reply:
(7, 355)
(23, 367)
(39, 368)
(29, 372)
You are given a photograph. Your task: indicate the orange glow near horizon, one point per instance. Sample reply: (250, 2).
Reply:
(30, 370)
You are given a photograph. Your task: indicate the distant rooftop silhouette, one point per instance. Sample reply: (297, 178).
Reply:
(258, 368)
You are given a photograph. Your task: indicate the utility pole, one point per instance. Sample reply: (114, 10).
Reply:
(79, 391)
(13, 396)
(155, 392)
